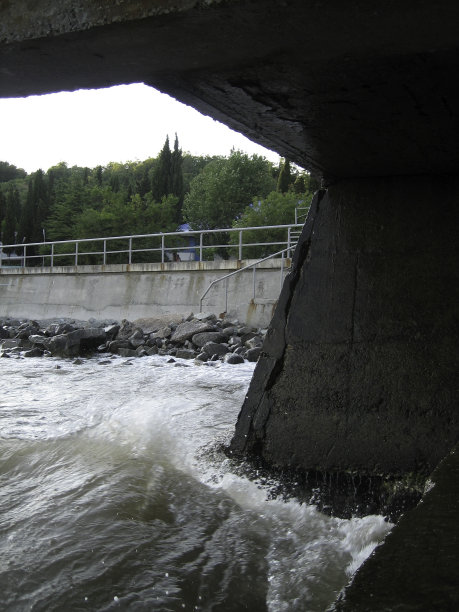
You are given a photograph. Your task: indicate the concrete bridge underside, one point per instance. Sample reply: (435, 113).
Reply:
(359, 373)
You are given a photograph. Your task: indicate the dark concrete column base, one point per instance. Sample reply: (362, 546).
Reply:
(359, 369)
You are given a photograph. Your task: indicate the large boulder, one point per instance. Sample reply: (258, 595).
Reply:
(188, 329)
(75, 342)
(213, 348)
(211, 336)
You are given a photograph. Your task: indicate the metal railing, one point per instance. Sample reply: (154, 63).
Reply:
(195, 244)
(301, 212)
(282, 254)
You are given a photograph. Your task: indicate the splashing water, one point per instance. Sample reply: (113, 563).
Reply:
(109, 500)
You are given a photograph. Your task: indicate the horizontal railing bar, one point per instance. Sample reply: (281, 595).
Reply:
(157, 235)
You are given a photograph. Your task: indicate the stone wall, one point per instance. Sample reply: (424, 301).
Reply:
(139, 290)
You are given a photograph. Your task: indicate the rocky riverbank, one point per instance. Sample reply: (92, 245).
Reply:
(204, 338)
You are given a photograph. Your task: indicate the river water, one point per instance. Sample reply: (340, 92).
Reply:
(114, 496)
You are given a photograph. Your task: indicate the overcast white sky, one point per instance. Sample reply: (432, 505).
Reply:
(119, 124)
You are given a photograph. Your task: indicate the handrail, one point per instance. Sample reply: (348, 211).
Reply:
(252, 265)
(162, 237)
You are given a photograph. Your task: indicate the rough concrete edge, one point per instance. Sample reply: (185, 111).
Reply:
(51, 18)
(341, 604)
(256, 404)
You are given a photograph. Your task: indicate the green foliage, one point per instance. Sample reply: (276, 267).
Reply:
(276, 209)
(284, 181)
(167, 176)
(224, 188)
(9, 223)
(9, 172)
(130, 198)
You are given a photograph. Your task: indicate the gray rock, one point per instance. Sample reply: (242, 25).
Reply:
(247, 336)
(185, 353)
(25, 331)
(57, 329)
(115, 345)
(10, 343)
(164, 332)
(37, 339)
(253, 354)
(202, 357)
(35, 352)
(246, 329)
(127, 352)
(213, 348)
(205, 316)
(188, 329)
(254, 342)
(229, 330)
(136, 339)
(233, 359)
(69, 345)
(111, 331)
(4, 333)
(211, 336)
(126, 330)
(151, 350)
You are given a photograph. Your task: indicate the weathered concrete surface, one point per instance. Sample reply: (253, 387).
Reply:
(359, 371)
(347, 89)
(417, 567)
(139, 290)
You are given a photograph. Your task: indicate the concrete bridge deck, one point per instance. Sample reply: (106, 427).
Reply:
(366, 95)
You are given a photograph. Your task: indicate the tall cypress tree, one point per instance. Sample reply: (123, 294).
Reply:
(161, 178)
(26, 220)
(2, 206)
(177, 177)
(285, 177)
(11, 212)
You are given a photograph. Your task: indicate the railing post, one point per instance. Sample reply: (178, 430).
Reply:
(76, 253)
(105, 252)
(253, 281)
(52, 255)
(200, 245)
(1, 255)
(282, 272)
(226, 295)
(24, 264)
(289, 238)
(162, 248)
(130, 250)
(240, 244)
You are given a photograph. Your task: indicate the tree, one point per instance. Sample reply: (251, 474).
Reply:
(177, 178)
(9, 172)
(161, 178)
(167, 176)
(276, 209)
(285, 177)
(224, 188)
(11, 211)
(2, 206)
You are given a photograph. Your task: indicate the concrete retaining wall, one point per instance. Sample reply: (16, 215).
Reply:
(139, 290)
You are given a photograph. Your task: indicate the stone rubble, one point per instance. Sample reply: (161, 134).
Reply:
(204, 338)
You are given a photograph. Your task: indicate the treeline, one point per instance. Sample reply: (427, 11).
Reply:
(155, 195)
